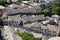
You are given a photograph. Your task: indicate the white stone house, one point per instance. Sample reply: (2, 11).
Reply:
(14, 20)
(39, 1)
(48, 30)
(36, 1)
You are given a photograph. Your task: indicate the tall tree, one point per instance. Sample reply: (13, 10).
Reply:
(27, 36)
(56, 8)
(2, 2)
(46, 12)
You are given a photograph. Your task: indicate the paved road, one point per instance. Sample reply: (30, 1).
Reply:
(1, 37)
(16, 37)
(8, 33)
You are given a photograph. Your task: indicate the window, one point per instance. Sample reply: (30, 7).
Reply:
(54, 32)
(37, 1)
(6, 35)
(49, 32)
(42, 29)
(45, 30)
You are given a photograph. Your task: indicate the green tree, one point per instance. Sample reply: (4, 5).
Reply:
(25, 36)
(56, 8)
(53, 10)
(56, 5)
(46, 12)
(2, 2)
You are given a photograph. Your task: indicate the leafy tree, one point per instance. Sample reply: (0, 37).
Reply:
(2, 2)
(46, 12)
(56, 4)
(25, 36)
(56, 8)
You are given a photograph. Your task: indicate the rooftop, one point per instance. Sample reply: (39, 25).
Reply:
(14, 18)
(49, 27)
(36, 35)
(32, 18)
(23, 8)
(54, 38)
(2, 7)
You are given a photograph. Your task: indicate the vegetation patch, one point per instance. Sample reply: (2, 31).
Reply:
(53, 10)
(25, 36)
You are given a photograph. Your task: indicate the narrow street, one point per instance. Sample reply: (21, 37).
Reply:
(1, 37)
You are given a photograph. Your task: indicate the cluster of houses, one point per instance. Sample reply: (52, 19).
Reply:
(30, 18)
(48, 26)
(36, 1)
